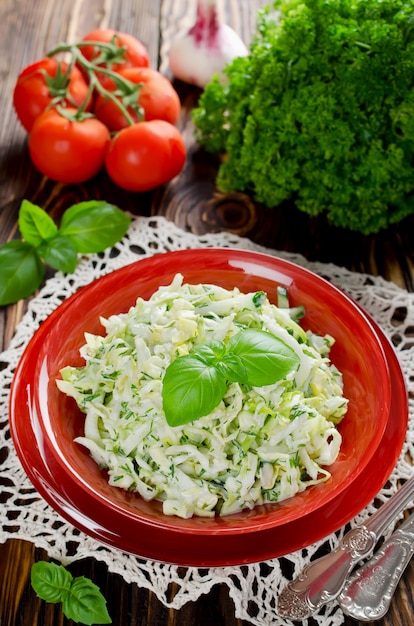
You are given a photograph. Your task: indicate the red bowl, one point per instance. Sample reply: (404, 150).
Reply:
(44, 421)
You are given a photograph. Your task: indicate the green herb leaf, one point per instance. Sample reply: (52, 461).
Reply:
(21, 271)
(233, 369)
(211, 352)
(266, 358)
(81, 599)
(94, 226)
(191, 389)
(194, 384)
(51, 582)
(60, 253)
(85, 603)
(258, 298)
(86, 227)
(35, 224)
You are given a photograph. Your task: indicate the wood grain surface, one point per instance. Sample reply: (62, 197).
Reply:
(29, 28)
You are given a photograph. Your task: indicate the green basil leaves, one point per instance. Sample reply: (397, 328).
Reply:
(195, 384)
(85, 228)
(81, 599)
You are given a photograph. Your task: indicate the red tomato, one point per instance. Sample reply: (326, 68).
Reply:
(155, 95)
(39, 83)
(68, 151)
(145, 155)
(136, 54)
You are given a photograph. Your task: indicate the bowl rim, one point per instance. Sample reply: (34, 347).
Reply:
(215, 255)
(219, 551)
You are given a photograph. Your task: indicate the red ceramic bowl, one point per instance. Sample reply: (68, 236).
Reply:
(44, 421)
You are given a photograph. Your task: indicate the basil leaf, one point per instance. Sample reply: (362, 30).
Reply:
(94, 226)
(21, 271)
(190, 390)
(60, 253)
(266, 358)
(81, 599)
(194, 384)
(86, 227)
(211, 352)
(233, 369)
(50, 581)
(35, 224)
(85, 603)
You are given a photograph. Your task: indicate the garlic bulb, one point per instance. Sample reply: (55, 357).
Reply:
(207, 47)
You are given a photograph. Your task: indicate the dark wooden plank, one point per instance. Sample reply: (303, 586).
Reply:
(128, 604)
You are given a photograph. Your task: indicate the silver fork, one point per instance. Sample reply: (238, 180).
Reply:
(368, 592)
(323, 579)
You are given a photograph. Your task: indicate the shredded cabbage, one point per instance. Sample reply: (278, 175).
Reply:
(261, 444)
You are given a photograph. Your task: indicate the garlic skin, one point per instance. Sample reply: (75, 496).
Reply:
(206, 49)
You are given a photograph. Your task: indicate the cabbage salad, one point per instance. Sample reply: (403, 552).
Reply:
(258, 445)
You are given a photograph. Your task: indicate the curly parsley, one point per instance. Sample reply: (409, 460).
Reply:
(321, 113)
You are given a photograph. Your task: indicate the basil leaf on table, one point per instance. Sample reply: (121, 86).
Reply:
(195, 384)
(94, 226)
(60, 253)
(21, 271)
(50, 581)
(85, 603)
(81, 599)
(85, 228)
(35, 225)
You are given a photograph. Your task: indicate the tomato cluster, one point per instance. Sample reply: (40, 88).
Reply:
(106, 107)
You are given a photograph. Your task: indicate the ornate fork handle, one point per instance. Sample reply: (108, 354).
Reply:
(323, 579)
(368, 593)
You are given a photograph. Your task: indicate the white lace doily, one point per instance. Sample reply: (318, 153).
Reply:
(25, 515)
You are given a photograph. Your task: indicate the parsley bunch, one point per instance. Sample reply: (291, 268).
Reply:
(321, 113)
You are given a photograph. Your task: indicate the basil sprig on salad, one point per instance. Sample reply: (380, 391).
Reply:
(195, 384)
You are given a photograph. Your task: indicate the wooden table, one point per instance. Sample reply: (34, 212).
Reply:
(29, 30)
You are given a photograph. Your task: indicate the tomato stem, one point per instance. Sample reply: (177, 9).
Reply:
(92, 69)
(110, 96)
(79, 116)
(81, 108)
